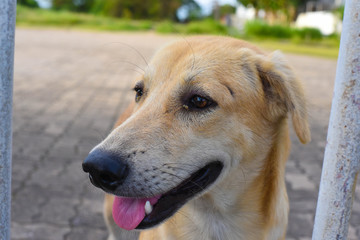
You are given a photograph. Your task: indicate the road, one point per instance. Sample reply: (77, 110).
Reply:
(69, 88)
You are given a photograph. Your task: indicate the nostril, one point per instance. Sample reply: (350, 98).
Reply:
(109, 182)
(113, 177)
(107, 179)
(95, 183)
(106, 170)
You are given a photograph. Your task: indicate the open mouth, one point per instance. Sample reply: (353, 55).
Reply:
(131, 213)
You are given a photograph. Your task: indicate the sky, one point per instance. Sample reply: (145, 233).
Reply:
(44, 3)
(207, 5)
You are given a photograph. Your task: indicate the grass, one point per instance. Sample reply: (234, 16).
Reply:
(43, 17)
(307, 41)
(282, 37)
(262, 29)
(317, 50)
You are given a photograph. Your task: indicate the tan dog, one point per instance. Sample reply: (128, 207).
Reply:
(202, 152)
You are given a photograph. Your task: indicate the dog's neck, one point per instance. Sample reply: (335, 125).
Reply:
(248, 205)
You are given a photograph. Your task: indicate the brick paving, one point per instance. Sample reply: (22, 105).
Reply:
(70, 86)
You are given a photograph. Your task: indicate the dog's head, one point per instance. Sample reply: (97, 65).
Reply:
(204, 107)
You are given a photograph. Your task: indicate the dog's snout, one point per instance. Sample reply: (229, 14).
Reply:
(106, 171)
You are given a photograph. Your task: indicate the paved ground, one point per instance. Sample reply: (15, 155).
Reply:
(69, 89)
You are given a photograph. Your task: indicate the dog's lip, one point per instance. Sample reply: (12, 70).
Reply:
(174, 199)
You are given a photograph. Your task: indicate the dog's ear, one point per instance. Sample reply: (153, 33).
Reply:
(283, 92)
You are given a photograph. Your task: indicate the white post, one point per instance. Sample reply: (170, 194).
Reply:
(7, 32)
(342, 153)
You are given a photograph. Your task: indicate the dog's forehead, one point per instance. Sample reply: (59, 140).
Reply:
(184, 59)
(196, 55)
(187, 53)
(175, 59)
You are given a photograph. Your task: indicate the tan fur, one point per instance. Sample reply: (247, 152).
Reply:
(248, 131)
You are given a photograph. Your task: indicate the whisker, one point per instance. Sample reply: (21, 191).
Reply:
(160, 190)
(193, 53)
(182, 164)
(183, 179)
(191, 48)
(100, 135)
(152, 193)
(128, 62)
(215, 187)
(133, 69)
(132, 48)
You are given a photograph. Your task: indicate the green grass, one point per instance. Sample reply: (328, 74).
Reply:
(43, 17)
(206, 26)
(270, 37)
(318, 50)
(261, 29)
(306, 41)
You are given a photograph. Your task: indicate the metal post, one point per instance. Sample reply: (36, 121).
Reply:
(7, 33)
(342, 153)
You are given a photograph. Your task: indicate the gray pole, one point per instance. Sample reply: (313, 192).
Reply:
(7, 33)
(342, 153)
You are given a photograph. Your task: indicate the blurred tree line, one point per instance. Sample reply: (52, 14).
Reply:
(28, 3)
(134, 9)
(289, 8)
(168, 9)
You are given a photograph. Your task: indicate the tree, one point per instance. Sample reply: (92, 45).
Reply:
(73, 5)
(255, 3)
(138, 9)
(227, 9)
(28, 3)
(134, 9)
(190, 9)
(274, 6)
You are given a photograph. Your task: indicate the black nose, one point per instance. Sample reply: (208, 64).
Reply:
(106, 171)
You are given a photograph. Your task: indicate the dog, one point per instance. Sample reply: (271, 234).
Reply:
(201, 152)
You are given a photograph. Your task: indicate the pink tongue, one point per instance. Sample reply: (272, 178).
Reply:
(129, 212)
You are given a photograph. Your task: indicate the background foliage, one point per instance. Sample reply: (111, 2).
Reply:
(161, 16)
(130, 9)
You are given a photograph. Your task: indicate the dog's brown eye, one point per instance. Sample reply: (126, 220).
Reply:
(199, 102)
(139, 90)
(139, 93)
